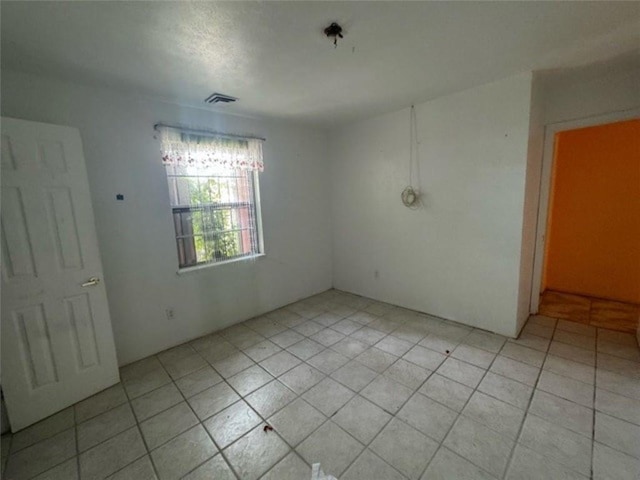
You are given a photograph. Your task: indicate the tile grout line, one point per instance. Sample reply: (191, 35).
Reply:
(526, 411)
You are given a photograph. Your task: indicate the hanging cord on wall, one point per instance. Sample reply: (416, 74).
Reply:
(410, 196)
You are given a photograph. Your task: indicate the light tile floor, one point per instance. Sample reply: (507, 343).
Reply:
(369, 390)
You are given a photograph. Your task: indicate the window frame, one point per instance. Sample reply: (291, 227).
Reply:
(255, 180)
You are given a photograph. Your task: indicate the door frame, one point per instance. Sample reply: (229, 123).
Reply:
(550, 131)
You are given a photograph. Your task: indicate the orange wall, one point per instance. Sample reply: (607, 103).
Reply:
(593, 235)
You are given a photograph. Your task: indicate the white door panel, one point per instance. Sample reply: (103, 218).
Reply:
(57, 342)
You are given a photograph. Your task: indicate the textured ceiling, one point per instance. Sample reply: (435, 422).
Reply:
(274, 57)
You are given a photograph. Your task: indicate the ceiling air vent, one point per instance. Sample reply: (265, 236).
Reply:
(220, 98)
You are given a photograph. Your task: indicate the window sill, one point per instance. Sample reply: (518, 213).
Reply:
(205, 266)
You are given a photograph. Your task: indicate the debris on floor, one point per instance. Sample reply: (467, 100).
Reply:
(318, 474)
(268, 428)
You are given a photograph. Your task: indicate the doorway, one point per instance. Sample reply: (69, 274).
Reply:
(587, 266)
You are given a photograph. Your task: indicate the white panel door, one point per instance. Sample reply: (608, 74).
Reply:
(57, 342)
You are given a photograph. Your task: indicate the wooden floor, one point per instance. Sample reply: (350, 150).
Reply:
(597, 312)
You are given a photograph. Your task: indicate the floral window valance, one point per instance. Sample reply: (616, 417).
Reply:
(181, 148)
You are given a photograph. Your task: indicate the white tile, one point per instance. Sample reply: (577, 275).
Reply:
(231, 423)
(104, 426)
(446, 465)
(428, 416)
(571, 352)
(43, 429)
(461, 372)
(218, 352)
(156, 401)
(533, 342)
(404, 448)
(394, 346)
(301, 378)
(332, 447)
(387, 394)
(515, 370)
(424, 357)
(100, 403)
(562, 412)
(269, 399)
(527, 464)
(566, 388)
(267, 327)
(507, 390)
(262, 350)
(328, 396)
(280, 363)
(475, 356)
(255, 453)
(140, 384)
(249, 380)
(38, 458)
(629, 352)
(376, 359)
(141, 469)
(485, 340)
(291, 467)
(543, 320)
(198, 381)
(139, 368)
(206, 342)
(538, 330)
(246, 339)
(112, 455)
(305, 349)
(569, 368)
(452, 394)
(309, 328)
(287, 338)
(523, 354)
(184, 366)
(480, 445)
(234, 363)
(65, 471)
(370, 466)
(407, 373)
(328, 361)
(215, 468)
(624, 408)
(176, 353)
(168, 424)
(349, 347)
(354, 375)
(628, 368)
(326, 319)
(182, 454)
(575, 339)
(620, 384)
(296, 421)
(327, 337)
(610, 464)
(411, 332)
(368, 335)
(618, 434)
(495, 414)
(212, 400)
(575, 327)
(361, 418)
(621, 338)
(564, 446)
(438, 344)
(346, 326)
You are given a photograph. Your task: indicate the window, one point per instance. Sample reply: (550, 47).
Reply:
(213, 189)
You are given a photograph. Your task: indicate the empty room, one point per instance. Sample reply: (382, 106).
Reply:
(320, 240)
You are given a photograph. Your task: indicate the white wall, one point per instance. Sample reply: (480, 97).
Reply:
(590, 91)
(457, 257)
(531, 200)
(136, 236)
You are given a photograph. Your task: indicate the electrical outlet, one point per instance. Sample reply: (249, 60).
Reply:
(169, 313)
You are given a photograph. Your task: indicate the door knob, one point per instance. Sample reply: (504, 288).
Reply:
(92, 282)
